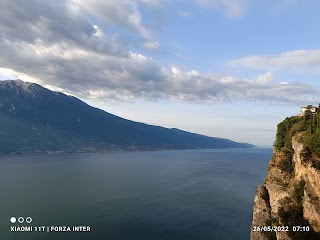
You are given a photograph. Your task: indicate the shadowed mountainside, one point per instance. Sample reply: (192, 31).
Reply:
(35, 119)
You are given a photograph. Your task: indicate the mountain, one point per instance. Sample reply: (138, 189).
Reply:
(35, 119)
(290, 196)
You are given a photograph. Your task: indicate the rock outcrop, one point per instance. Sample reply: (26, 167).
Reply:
(262, 211)
(290, 196)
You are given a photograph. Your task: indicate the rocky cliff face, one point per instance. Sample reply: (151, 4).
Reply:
(289, 197)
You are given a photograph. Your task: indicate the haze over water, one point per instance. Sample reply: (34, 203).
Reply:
(163, 195)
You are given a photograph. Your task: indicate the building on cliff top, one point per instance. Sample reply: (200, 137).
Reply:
(311, 108)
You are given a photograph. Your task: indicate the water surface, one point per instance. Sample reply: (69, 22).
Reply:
(163, 195)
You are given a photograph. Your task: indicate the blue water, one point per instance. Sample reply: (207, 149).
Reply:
(165, 195)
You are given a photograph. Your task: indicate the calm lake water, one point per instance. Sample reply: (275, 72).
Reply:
(164, 195)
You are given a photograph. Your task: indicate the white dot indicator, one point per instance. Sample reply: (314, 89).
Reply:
(13, 220)
(20, 219)
(28, 219)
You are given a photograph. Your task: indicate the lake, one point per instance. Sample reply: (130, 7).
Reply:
(160, 195)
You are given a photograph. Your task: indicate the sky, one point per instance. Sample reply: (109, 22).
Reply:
(225, 68)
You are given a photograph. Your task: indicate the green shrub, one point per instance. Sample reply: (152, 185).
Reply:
(313, 142)
(286, 129)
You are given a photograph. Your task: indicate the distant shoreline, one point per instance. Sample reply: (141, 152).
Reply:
(116, 151)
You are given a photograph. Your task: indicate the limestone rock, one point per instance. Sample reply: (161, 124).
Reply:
(279, 191)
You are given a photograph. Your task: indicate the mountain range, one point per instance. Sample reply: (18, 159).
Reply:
(34, 119)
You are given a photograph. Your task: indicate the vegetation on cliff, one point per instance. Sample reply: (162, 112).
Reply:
(289, 210)
(308, 126)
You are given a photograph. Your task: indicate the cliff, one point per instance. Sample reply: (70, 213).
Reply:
(290, 196)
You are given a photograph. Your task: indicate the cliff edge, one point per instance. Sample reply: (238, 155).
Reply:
(287, 205)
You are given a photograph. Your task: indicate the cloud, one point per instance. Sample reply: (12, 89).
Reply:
(296, 61)
(88, 74)
(123, 13)
(151, 45)
(53, 43)
(49, 23)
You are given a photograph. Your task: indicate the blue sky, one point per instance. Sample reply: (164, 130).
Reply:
(225, 68)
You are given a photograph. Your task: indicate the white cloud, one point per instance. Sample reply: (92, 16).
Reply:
(88, 74)
(265, 78)
(151, 45)
(8, 73)
(57, 46)
(124, 13)
(298, 60)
